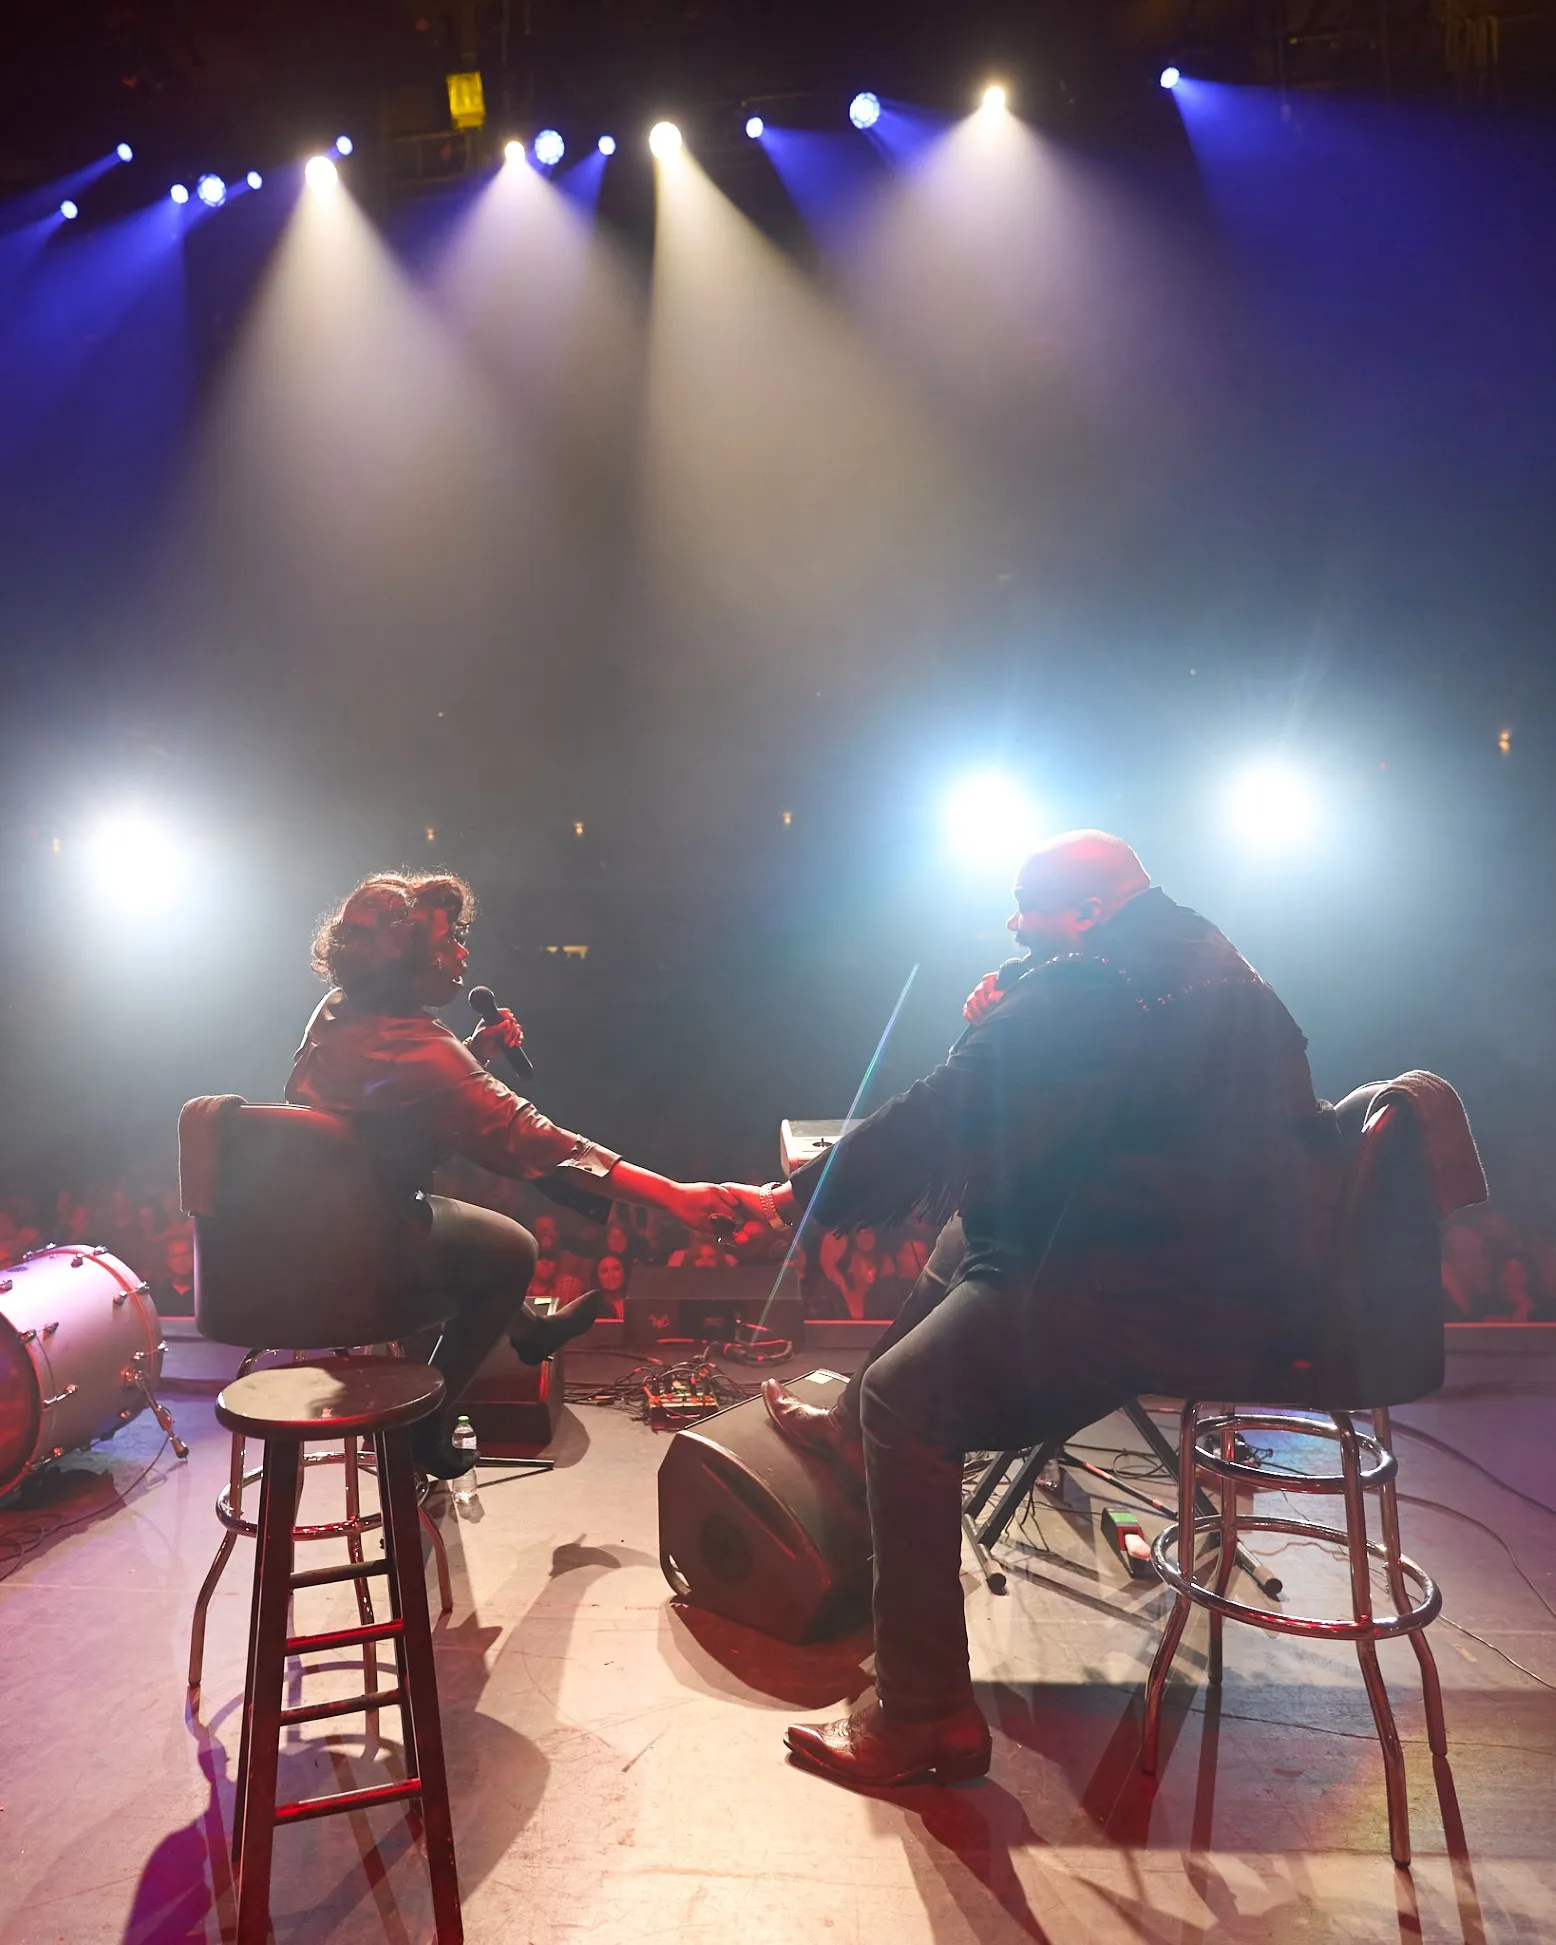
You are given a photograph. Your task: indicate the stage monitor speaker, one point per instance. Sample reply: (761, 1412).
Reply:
(760, 1533)
(514, 1406)
(707, 1306)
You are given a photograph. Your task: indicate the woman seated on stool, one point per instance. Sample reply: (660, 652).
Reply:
(393, 952)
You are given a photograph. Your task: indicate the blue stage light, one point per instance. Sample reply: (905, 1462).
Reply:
(991, 823)
(212, 191)
(606, 145)
(124, 152)
(549, 148)
(1170, 77)
(254, 179)
(344, 145)
(69, 211)
(179, 193)
(864, 111)
(1273, 807)
(756, 128)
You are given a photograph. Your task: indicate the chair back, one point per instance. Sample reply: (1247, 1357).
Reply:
(1381, 1338)
(304, 1247)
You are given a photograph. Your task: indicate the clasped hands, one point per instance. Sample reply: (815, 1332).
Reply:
(737, 1213)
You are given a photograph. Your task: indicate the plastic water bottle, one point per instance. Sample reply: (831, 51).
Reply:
(464, 1441)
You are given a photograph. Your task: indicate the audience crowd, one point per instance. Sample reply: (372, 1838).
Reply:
(1494, 1269)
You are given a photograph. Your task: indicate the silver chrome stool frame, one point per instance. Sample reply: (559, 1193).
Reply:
(229, 1510)
(1367, 1464)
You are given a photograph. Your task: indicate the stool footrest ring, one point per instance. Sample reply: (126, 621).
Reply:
(1386, 1627)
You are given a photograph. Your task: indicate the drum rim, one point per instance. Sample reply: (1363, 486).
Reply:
(10, 1480)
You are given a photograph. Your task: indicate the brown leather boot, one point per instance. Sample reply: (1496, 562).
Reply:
(824, 1434)
(867, 1748)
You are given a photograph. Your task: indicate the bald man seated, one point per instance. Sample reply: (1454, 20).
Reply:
(1146, 1186)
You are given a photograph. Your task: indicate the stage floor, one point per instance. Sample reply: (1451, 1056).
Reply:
(617, 1763)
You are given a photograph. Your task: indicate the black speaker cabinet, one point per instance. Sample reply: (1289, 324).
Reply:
(754, 1530)
(708, 1306)
(514, 1406)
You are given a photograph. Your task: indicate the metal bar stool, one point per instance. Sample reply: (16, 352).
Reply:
(1367, 1465)
(376, 1399)
(354, 1461)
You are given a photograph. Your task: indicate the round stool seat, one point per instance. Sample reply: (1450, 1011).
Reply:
(335, 1398)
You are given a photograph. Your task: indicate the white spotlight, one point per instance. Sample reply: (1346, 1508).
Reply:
(864, 111)
(994, 98)
(756, 128)
(68, 210)
(1170, 78)
(137, 859)
(254, 179)
(549, 148)
(990, 822)
(344, 145)
(1272, 806)
(513, 151)
(321, 174)
(124, 152)
(179, 193)
(212, 191)
(606, 145)
(664, 139)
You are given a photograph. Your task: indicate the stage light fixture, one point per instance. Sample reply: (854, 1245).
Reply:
(135, 858)
(513, 151)
(756, 128)
(664, 139)
(995, 97)
(124, 152)
(549, 148)
(864, 111)
(68, 210)
(344, 145)
(179, 193)
(254, 179)
(321, 174)
(1170, 78)
(990, 822)
(1272, 806)
(606, 145)
(212, 191)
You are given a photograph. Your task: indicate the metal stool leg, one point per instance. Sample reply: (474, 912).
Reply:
(1431, 1683)
(214, 1572)
(440, 1559)
(1172, 1634)
(1366, 1645)
(259, 1753)
(356, 1556)
(1226, 1559)
(423, 1727)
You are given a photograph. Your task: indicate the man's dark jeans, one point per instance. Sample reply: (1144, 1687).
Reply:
(993, 1364)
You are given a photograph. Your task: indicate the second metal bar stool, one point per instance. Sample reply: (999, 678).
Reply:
(1367, 1465)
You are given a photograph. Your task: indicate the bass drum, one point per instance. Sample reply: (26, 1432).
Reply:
(78, 1332)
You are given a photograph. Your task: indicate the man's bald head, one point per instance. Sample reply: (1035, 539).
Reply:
(1074, 882)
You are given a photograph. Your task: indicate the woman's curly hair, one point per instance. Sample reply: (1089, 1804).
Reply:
(382, 925)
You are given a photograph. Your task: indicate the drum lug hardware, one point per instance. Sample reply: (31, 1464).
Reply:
(49, 1329)
(76, 1262)
(120, 1297)
(27, 1336)
(6, 1284)
(59, 1397)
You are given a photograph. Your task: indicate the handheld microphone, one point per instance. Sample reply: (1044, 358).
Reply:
(483, 1003)
(1010, 972)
